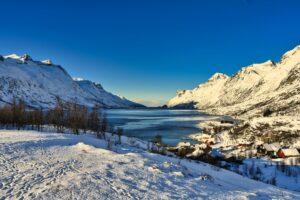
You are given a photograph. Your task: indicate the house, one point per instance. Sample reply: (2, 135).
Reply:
(283, 153)
(271, 149)
(245, 146)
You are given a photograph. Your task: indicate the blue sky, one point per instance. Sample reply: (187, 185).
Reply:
(146, 50)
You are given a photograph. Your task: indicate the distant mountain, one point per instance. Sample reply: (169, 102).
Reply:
(251, 91)
(39, 83)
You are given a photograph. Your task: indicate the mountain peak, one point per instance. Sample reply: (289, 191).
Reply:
(13, 56)
(265, 64)
(291, 56)
(78, 79)
(47, 62)
(218, 76)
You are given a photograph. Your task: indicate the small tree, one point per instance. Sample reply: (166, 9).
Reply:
(57, 116)
(74, 117)
(94, 120)
(104, 124)
(252, 170)
(39, 119)
(30, 119)
(6, 116)
(119, 133)
(157, 140)
(273, 181)
(18, 112)
(83, 118)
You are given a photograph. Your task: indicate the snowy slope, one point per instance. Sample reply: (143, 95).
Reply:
(39, 83)
(203, 95)
(251, 90)
(37, 165)
(97, 91)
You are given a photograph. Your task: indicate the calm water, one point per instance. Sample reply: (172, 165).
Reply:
(173, 125)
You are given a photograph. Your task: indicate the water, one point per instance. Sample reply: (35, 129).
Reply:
(173, 125)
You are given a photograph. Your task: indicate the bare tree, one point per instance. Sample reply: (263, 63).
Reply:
(56, 116)
(94, 120)
(18, 112)
(6, 116)
(104, 124)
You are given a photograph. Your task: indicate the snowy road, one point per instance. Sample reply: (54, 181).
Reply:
(54, 166)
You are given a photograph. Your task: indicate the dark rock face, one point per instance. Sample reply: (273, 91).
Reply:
(191, 105)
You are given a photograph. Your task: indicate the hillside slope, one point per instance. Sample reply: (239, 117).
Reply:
(39, 83)
(36, 165)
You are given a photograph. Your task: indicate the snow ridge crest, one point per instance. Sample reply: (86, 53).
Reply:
(218, 76)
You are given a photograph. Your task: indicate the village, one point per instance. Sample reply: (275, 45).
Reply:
(211, 147)
(257, 155)
(218, 140)
(272, 163)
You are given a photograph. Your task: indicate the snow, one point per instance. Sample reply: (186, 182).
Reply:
(272, 147)
(47, 62)
(183, 144)
(285, 176)
(96, 91)
(218, 76)
(202, 137)
(246, 96)
(40, 83)
(36, 165)
(204, 94)
(290, 152)
(251, 90)
(13, 56)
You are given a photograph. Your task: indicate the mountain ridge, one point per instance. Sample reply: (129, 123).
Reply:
(261, 85)
(39, 83)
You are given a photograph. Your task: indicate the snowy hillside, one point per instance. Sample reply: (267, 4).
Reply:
(250, 91)
(39, 83)
(37, 165)
(111, 100)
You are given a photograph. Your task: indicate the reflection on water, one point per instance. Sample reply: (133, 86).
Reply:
(173, 125)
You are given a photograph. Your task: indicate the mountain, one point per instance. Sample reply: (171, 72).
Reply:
(97, 91)
(39, 83)
(251, 91)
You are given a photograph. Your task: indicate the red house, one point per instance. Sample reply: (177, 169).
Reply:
(283, 153)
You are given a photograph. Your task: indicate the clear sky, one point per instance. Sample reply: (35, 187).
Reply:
(147, 49)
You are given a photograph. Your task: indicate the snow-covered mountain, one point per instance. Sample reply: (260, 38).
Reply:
(39, 83)
(252, 90)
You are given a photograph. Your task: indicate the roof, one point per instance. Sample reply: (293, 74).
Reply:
(272, 147)
(290, 152)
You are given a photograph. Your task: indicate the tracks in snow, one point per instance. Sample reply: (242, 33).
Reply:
(26, 177)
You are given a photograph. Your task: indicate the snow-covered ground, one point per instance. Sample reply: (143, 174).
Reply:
(284, 172)
(36, 165)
